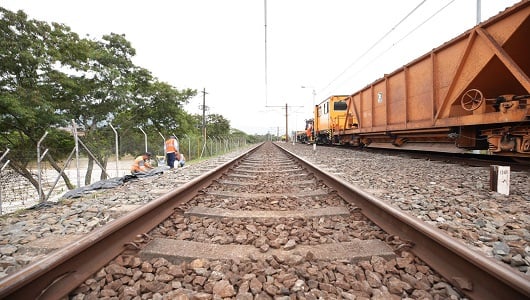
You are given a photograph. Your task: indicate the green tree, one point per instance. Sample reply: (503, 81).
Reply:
(217, 125)
(96, 91)
(49, 77)
(156, 107)
(29, 52)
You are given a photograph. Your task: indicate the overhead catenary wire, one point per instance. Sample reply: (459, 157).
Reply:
(375, 44)
(397, 42)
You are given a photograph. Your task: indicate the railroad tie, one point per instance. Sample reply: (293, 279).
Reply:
(259, 214)
(178, 251)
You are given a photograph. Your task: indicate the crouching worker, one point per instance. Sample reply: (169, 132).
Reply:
(141, 164)
(181, 159)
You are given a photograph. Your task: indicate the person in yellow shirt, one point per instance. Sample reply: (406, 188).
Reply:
(141, 163)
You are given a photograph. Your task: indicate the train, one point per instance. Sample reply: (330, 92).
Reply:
(469, 95)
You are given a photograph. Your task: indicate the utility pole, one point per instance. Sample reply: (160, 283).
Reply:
(286, 124)
(204, 108)
(286, 120)
(204, 113)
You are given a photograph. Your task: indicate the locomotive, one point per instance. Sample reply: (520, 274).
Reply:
(471, 94)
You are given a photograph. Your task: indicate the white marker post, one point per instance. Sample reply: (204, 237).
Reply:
(500, 179)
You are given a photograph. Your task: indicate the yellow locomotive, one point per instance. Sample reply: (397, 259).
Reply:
(331, 119)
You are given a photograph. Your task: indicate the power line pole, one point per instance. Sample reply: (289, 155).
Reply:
(204, 108)
(204, 113)
(286, 119)
(286, 124)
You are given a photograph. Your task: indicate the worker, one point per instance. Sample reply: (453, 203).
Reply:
(141, 163)
(172, 151)
(309, 132)
(182, 160)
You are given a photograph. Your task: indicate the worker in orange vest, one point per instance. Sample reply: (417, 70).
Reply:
(172, 151)
(309, 132)
(141, 163)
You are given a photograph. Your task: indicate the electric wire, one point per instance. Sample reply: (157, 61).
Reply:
(397, 42)
(375, 44)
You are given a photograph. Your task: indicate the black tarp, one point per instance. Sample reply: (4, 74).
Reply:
(112, 182)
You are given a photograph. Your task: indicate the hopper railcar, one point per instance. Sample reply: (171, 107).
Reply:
(471, 93)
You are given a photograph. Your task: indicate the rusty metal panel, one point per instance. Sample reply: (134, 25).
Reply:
(379, 104)
(446, 62)
(354, 108)
(493, 62)
(396, 100)
(366, 108)
(419, 102)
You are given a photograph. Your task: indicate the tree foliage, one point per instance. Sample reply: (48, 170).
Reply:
(216, 125)
(49, 77)
(29, 51)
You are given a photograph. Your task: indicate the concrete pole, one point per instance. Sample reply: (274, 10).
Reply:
(1, 169)
(74, 129)
(117, 150)
(39, 159)
(145, 138)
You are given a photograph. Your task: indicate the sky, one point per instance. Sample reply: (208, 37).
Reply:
(254, 57)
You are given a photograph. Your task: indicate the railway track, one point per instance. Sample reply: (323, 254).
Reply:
(270, 225)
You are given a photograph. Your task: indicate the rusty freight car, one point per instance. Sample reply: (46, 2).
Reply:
(471, 93)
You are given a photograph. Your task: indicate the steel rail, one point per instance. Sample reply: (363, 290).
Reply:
(54, 276)
(476, 275)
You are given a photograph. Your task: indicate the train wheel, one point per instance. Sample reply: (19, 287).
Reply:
(472, 100)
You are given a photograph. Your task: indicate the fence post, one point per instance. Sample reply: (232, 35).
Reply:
(145, 138)
(189, 146)
(39, 159)
(178, 141)
(163, 148)
(1, 169)
(117, 150)
(217, 145)
(199, 153)
(76, 153)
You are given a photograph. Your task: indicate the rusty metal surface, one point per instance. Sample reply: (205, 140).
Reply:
(59, 273)
(478, 276)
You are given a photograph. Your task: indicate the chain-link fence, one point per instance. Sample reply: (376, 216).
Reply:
(18, 192)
